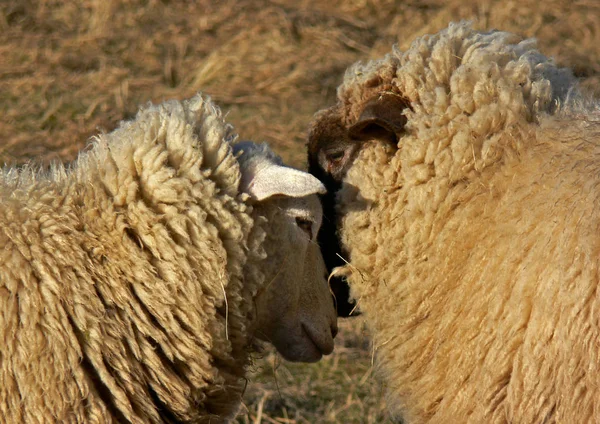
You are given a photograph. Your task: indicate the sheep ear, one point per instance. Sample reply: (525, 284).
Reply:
(382, 118)
(271, 180)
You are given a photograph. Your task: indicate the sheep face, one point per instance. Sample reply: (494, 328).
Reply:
(334, 142)
(294, 309)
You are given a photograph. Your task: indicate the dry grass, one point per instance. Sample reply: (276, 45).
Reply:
(71, 69)
(339, 389)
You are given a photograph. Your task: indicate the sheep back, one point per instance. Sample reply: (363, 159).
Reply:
(114, 275)
(473, 243)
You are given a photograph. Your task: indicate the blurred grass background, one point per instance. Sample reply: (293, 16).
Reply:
(70, 69)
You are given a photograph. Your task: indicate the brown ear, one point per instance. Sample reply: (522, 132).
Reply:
(381, 118)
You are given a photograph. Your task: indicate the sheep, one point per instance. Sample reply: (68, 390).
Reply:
(135, 283)
(465, 177)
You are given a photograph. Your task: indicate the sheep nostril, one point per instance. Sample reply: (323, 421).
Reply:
(334, 331)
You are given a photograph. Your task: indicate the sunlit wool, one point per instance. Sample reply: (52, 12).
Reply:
(472, 239)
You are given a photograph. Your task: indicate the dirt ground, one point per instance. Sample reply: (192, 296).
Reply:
(71, 69)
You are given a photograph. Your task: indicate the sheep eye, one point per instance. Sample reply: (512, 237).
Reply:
(305, 225)
(335, 158)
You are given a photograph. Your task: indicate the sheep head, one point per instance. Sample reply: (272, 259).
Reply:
(294, 310)
(334, 141)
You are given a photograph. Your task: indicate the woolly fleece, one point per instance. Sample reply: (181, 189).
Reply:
(114, 273)
(473, 246)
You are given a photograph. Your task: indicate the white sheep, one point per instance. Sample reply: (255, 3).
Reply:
(468, 170)
(134, 284)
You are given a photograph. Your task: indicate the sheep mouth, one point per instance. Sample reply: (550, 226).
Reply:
(323, 344)
(303, 346)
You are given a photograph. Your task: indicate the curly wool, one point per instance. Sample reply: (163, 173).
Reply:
(473, 245)
(114, 274)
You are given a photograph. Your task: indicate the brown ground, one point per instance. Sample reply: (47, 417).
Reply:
(69, 69)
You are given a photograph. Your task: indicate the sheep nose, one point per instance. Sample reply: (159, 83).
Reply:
(334, 331)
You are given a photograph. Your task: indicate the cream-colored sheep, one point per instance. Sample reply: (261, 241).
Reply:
(134, 283)
(468, 207)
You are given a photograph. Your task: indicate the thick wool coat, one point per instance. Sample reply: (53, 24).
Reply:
(114, 273)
